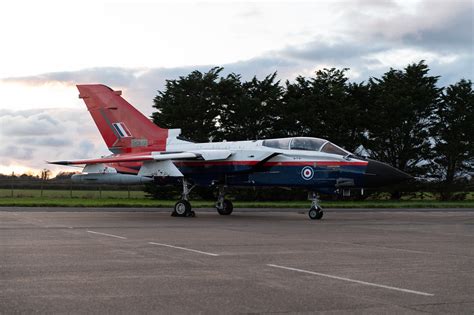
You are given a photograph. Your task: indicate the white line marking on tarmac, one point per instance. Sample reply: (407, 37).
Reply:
(183, 248)
(105, 234)
(351, 280)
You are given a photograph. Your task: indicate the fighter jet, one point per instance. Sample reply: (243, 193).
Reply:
(142, 152)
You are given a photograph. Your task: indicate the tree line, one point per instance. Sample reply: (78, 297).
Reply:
(403, 117)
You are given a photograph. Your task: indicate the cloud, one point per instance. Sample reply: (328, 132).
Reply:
(378, 35)
(19, 125)
(440, 26)
(15, 152)
(113, 76)
(35, 136)
(454, 34)
(52, 141)
(433, 30)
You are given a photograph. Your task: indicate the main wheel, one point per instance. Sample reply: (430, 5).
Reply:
(182, 208)
(227, 207)
(315, 213)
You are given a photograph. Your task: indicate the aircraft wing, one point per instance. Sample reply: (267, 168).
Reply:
(207, 155)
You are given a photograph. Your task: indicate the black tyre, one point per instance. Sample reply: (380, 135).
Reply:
(227, 207)
(182, 208)
(315, 213)
(319, 216)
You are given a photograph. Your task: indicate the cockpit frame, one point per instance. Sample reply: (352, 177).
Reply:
(305, 144)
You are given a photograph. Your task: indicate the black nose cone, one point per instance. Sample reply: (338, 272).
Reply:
(381, 174)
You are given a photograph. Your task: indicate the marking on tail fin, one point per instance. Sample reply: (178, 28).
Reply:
(139, 143)
(122, 130)
(101, 111)
(129, 134)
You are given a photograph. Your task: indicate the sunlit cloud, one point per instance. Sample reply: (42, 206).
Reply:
(31, 137)
(37, 94)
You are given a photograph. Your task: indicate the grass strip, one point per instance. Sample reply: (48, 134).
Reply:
(149, 203)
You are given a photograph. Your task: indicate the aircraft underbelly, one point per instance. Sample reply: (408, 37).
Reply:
(288, 176)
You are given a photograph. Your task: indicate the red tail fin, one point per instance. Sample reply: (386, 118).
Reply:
(123, 128)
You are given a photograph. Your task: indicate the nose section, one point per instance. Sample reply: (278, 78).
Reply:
(381, 174)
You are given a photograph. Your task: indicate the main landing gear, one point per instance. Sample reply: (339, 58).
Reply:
(183, 208)
(223, 206)
(315, 212)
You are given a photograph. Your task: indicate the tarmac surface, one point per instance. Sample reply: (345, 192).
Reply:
(278, 261)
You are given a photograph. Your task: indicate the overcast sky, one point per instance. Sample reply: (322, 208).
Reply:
(49, 46)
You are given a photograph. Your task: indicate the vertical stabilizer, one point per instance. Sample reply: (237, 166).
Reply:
(123, 128)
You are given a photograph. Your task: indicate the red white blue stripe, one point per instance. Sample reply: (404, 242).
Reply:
(122, 130)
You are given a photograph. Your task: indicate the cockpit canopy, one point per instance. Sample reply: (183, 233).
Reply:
(306, 144)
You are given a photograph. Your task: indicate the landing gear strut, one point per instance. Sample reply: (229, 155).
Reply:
(315, 212)
(223, 206)
(183, 208)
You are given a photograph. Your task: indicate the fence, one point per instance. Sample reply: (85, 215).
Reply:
(18, 187)
(65, 188)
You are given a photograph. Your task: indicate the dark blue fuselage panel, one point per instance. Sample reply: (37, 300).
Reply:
(309, 175)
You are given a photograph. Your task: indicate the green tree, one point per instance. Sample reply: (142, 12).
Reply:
(295, 118)
(230, 110)
(326, 106)
(253, 112)
(399, 117)
(454, 134)
(207, 106)
(190, 103)
(329, 100)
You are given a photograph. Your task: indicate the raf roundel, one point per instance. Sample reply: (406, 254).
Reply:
(307, 172)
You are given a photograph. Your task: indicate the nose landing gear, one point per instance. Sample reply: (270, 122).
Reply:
(315, 212)
(223, 206)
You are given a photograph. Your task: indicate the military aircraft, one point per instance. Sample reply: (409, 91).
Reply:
(143, 152)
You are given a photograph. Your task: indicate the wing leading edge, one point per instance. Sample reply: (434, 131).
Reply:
(207, 155)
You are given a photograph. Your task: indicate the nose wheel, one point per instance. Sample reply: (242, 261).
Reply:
(223, 206)
(315, 213)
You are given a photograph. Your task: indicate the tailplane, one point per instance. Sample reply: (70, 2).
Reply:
(123, 128)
